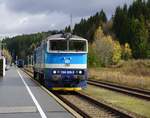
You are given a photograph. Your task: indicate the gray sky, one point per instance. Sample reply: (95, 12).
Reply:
(30, 16)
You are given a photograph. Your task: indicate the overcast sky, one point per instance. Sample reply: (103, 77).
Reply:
(30, 16)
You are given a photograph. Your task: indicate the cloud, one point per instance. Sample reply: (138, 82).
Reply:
(24, 23)
(29, 16)
(78, 8)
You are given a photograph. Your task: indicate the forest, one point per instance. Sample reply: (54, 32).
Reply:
(126, 35)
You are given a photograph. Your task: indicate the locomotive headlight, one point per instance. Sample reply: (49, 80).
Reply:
(80, 72)
(54, 72)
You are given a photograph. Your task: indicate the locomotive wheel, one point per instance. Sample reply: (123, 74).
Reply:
(41, 79)
(35, 75)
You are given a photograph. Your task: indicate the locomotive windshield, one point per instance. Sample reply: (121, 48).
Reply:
(75, 45)
(68, 45)
(58, 45)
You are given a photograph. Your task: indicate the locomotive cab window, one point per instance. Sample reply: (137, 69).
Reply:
(57, 45)
(77, 45)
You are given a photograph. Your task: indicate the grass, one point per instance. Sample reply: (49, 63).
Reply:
(134, 73)
(128, 103)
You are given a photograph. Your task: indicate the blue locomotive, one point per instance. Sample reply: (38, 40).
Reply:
(60, 62)
(20, 63)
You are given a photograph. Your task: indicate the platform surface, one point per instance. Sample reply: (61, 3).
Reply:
(17, 102)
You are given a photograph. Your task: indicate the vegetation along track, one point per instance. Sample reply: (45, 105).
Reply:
(144, 94)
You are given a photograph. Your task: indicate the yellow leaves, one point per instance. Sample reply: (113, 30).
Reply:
(108, 50)
(99, 33)
(127, 49)
(7, 55)
(126, 52)
(116, 52)
(127, 45)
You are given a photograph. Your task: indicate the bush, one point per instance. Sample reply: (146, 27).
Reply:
(108, 51)
(116, 52)
(126, 52)
(148, 53)
(7, 55)
(93, 60)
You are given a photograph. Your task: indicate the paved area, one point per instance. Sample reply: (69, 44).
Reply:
(20, 97)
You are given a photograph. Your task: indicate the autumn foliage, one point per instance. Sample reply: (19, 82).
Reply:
(108, 51)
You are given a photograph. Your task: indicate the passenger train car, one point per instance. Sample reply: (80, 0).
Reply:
(61, 62)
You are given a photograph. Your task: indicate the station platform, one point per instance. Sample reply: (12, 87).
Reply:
(20, 97)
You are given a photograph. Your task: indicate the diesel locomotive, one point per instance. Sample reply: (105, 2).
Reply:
(60, 62)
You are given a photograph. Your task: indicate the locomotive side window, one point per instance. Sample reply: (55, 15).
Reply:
(75, 45)
(58, 45)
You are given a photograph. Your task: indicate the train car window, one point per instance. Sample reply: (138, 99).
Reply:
(75, 45)
(58, 45)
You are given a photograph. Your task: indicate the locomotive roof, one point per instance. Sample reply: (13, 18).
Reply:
(61, 36)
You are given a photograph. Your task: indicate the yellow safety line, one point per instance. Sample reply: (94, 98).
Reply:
(66, 89)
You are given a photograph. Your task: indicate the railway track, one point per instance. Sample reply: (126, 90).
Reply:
(28, 70)
(139, 93)
(89, 107)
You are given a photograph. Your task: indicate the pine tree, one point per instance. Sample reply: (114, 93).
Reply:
(120, 24)
(102, 16)
(68, 29)
(138, 38)
(87, 28)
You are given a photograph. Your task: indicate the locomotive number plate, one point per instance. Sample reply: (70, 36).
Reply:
(67, 72)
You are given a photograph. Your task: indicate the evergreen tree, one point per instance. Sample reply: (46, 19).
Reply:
(102, 16)
(139, 38)
(120, 24)
(87, 28)
(133, 26)
(24, 45)
(68, 29)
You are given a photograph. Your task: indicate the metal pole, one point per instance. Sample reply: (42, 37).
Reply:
(4, 65)
(71, 23)
(31, 60)
(16, 60)
(28, 61)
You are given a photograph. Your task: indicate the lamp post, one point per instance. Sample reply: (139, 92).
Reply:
(28, 61)
(3, 58)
